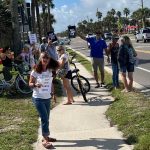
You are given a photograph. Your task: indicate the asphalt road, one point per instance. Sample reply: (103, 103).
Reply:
(142, 71)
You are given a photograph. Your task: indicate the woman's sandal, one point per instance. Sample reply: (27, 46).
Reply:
(47, 145)
(49, 139)
(67, 103)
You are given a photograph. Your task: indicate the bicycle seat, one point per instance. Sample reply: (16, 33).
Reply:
(75, 71)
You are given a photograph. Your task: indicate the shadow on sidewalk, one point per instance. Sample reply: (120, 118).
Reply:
(99, 143)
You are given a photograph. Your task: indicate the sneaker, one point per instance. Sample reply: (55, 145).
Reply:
(102, 84)
(97, 86)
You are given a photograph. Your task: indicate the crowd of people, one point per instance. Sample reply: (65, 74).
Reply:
(123, 57)
(48, 60)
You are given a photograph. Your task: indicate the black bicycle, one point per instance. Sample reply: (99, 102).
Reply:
(79, 82)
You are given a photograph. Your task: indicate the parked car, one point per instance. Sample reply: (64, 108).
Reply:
(90, 35)
(64, 41)
(143, 35)
(107, 36)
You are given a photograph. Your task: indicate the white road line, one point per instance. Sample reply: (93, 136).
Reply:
(143, 69)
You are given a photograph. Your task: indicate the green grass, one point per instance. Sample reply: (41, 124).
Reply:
(129, 111)
(19, 120)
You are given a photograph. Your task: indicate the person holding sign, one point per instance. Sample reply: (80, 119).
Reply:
(41, 82)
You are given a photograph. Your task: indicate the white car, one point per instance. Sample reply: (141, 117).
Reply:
(143, 35)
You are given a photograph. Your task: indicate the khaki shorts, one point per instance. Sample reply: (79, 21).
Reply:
(98, 63)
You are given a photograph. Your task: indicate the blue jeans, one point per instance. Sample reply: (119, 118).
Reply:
(115, 76)
(43, 108)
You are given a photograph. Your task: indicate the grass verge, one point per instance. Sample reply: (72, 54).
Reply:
(129, 111)
(19, 121)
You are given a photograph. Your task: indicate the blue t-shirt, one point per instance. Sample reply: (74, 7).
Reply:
(97, 47)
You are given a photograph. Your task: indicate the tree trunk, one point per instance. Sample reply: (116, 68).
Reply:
(49, 17)
(16, 37)
(44, 19)
(33, 16)
(38, 19)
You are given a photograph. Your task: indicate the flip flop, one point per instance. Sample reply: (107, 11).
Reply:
(47, 145)
(68, 103)
(49, 139)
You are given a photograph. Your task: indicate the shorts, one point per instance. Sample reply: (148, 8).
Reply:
(69, 75)
(128, 68)
(98, 63)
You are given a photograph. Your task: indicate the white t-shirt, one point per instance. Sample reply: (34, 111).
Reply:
(66, 58)
(45, 78)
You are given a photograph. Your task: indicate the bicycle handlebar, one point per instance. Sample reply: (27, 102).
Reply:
(73, 56)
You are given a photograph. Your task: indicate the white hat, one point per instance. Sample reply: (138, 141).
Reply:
(43, 38)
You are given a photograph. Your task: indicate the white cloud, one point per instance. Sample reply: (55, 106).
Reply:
(86, 9)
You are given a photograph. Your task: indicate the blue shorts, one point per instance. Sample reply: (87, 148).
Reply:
(128, 68)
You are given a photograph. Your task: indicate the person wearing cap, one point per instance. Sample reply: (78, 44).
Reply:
(113, 49)
(98, 45)
(65, 65)
(43, 45)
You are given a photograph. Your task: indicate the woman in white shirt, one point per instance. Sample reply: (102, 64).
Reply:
(64, 64)
(41, 81)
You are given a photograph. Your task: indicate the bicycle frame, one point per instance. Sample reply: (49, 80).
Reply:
(16, 75)
(80, 87)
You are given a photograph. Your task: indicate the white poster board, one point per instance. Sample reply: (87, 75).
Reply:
(32, 38)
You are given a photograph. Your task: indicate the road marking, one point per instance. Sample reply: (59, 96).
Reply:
(144, 51)
(143, 69)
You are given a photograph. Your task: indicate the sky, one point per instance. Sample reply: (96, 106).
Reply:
(70, 12)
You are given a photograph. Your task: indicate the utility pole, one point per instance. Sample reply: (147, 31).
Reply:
(143, 14)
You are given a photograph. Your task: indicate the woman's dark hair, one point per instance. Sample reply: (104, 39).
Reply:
(6, 48)
(53, 64)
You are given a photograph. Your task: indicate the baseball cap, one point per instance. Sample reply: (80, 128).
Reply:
(43, 38)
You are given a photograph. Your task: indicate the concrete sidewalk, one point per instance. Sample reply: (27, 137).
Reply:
(84, 126)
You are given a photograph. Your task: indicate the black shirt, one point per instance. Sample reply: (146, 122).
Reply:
(7, 62)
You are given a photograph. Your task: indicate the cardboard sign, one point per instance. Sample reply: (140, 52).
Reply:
(32, 38)
(51, 35)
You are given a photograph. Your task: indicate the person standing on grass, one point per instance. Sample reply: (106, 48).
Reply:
(64, 64)
(113, 49)
(126, 58)
(41, 82)
(98, 45)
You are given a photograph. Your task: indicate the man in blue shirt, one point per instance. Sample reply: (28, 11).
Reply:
(98, 45)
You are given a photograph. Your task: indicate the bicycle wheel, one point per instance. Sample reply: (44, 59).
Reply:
(22, 84)
(1, 86)
(82, 90)
(84, 81)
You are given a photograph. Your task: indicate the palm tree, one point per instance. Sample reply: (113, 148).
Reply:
(33, 16)
(126, 12)
(49, 6)
(98, 15)
(15, 27)
(118, 14)
(5, 24)
(113, 12)
(38, 19)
